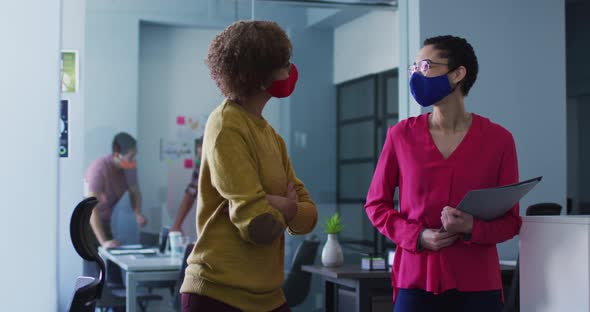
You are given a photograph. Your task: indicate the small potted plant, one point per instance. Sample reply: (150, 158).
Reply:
(332, 252)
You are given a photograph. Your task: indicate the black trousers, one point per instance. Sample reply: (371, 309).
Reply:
(418, 300)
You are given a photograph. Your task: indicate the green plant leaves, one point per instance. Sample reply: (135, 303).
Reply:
(333, 225)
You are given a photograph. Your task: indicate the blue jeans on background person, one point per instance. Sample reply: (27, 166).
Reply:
(418, 300)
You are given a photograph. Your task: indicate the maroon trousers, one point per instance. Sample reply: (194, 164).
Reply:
(199, 303)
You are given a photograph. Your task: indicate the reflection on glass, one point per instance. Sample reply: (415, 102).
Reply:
(391, 95)
(356, 140)
(355, 180)
(357, 99)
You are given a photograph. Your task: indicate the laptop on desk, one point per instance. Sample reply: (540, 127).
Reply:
(145, 250)
(132, 250)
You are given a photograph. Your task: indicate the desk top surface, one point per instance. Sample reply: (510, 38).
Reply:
(352, 271)
(567, 219)
(137, 262)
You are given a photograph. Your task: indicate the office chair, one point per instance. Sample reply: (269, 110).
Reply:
(92, 292)
(176, 297)
(512, 302)
(297, 284)
(88, 289)
(544, 209)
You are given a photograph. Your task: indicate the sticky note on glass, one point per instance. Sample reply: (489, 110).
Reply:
(188, 163)
(180, 120)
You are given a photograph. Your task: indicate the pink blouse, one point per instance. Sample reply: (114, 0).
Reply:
(428, 182)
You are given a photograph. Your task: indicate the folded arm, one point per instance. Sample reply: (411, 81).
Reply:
(234, 174)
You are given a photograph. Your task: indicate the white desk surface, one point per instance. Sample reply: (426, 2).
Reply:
(568, 219)
(143, 262)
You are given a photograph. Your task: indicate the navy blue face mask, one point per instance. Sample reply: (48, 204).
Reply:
(429, 90)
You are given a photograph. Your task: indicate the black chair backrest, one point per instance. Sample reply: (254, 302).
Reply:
(176, 299)
(88, 289)
(544, 209)
(297, 284)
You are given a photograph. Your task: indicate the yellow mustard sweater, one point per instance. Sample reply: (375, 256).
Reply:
(238, 257)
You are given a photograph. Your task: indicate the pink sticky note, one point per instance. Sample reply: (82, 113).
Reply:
(188, 163)
(180, 120)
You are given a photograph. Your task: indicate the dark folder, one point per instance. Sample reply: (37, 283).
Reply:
(492, 203)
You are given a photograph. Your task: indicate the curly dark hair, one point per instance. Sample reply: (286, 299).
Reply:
(459, 53)
(243, 57)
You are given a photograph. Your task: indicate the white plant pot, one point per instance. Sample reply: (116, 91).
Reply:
(332, 252)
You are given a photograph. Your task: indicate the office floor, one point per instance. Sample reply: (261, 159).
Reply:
(162, 305)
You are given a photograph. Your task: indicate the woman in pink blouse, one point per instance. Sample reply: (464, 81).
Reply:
(435, 159)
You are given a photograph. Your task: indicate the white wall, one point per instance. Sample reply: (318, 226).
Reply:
(512, 88)
(366, 45)
(71, 168)
(28, 162)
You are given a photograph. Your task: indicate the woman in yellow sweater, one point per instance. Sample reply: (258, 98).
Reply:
(248, 192)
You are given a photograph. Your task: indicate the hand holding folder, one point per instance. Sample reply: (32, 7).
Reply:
(491, 203)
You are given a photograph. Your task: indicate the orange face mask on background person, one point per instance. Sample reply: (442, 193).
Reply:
(126, 162)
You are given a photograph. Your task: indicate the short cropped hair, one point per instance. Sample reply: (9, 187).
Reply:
(459, 53)
(123, 142)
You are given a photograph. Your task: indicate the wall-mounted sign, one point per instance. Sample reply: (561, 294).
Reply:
(69, 71)
(173, 150)
(63, 129)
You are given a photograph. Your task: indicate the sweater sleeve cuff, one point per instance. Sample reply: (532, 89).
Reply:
(304, 220)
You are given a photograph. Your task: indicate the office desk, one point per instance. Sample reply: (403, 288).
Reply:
(367, 286)
(555, 263)
(140, 268)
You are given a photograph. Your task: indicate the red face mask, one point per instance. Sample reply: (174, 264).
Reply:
(284, 88)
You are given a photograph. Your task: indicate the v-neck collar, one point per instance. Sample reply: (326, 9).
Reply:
(468, 135)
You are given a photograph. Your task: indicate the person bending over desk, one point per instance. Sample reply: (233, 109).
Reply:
(435, 159)
(107, 179)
